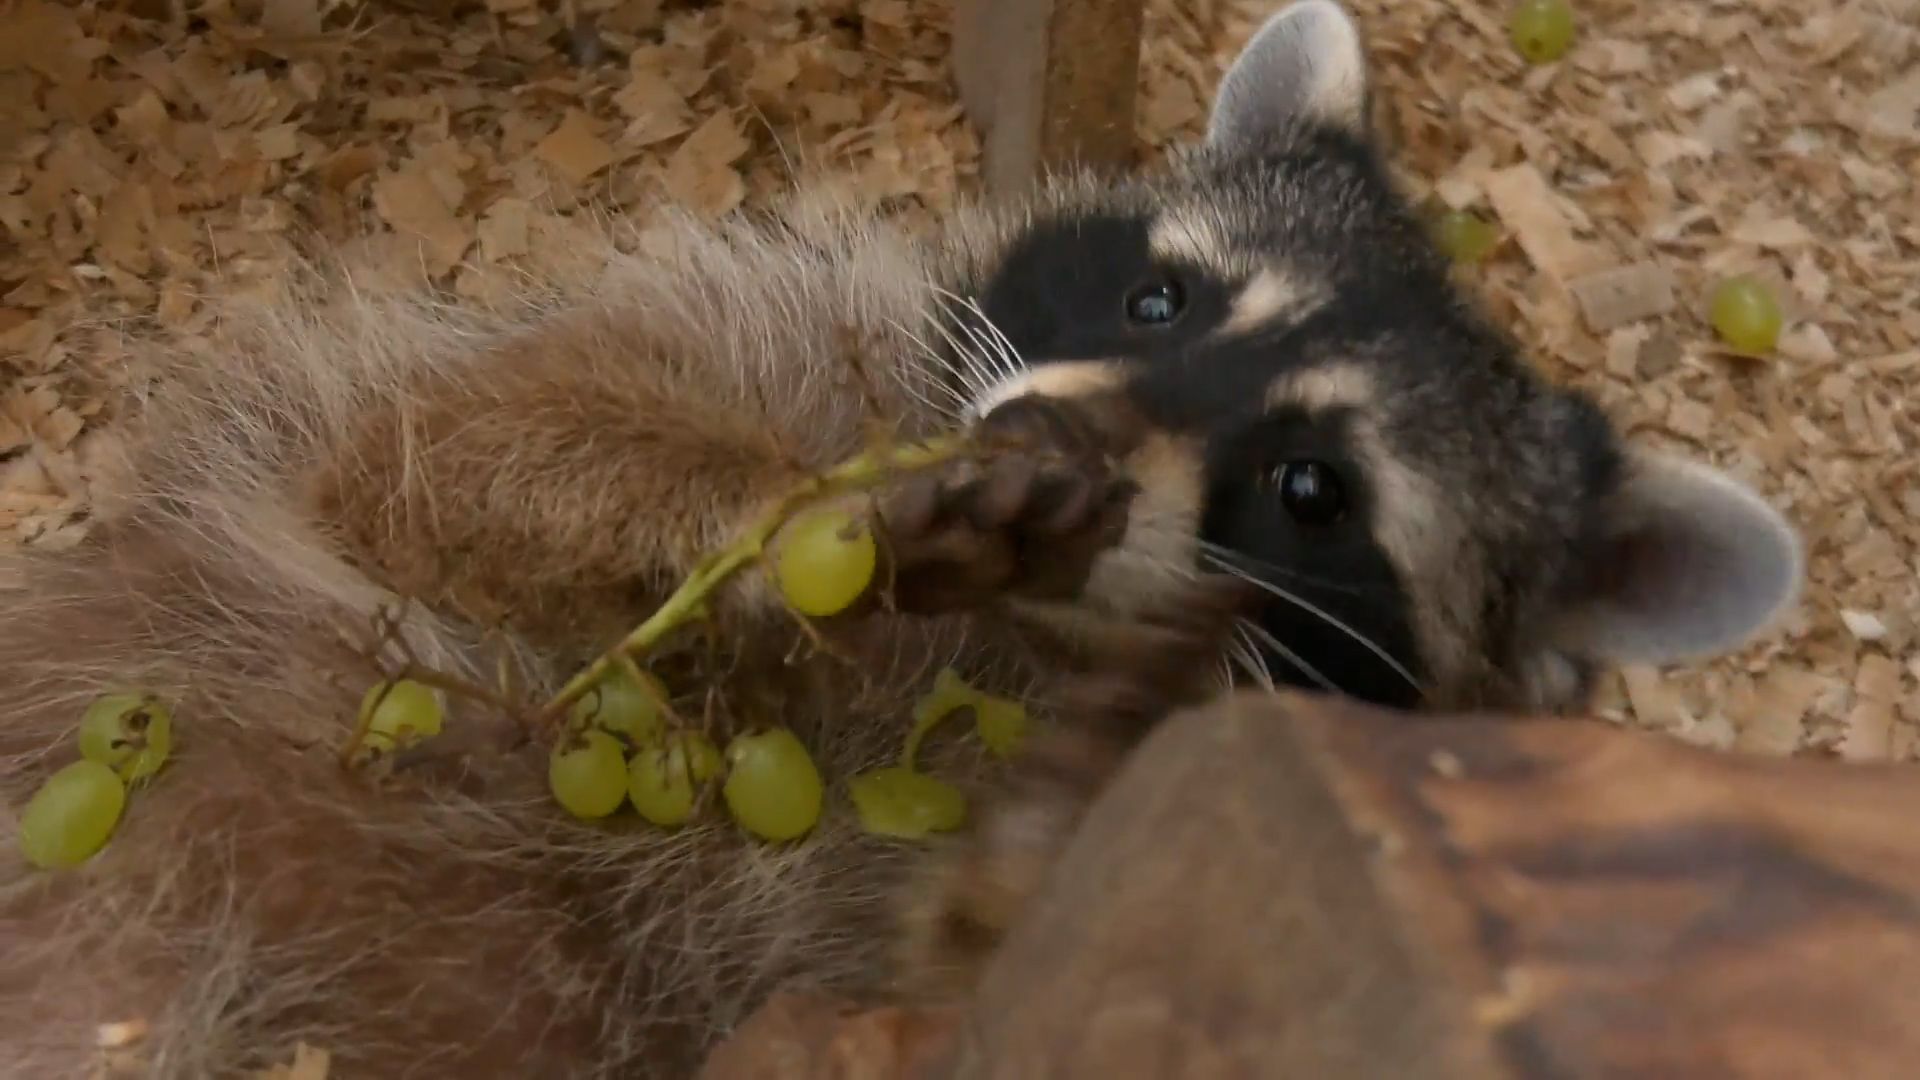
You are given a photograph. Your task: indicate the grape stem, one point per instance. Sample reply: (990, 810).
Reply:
(688, 603)
(921, 727)
(365, 723)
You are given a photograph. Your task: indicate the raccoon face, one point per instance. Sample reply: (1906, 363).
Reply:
(1433, 523)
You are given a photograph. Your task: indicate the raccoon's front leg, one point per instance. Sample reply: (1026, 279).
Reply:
(956, 911)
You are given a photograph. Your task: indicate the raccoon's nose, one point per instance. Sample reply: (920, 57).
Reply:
(1099, 423)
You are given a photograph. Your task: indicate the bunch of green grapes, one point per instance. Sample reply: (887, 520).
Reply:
(622, 713)
(619, 750)
(771, 786)
(768, 781)
(124, 739)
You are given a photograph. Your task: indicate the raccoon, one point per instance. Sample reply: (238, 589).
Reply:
(1245, 368)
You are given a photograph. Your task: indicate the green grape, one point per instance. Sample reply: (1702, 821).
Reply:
(1001, 723)
(1464, 236)
(897, 801)
(773, 788)
(588, 774)
(664, 777)
(1541, 30)
(619, 705)
(826, 561)
(131, 734)
(72, 815)
(1745, 315)
(407, 713)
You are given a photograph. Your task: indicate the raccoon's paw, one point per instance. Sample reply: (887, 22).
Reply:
(1026, 523)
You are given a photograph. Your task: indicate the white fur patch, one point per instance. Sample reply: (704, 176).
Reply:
(1189, 235)
(1058, 379)
(1327, 386)
(1272, 297)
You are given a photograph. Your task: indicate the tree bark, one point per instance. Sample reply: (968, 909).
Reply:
(1284, 886)
(1049, 83)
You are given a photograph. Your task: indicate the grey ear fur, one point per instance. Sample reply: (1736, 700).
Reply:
(1305, 65)
(1693, 565)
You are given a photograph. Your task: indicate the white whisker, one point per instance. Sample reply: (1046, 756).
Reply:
(942, 317)
(988, 349)
(962, 400)
(987, 380)
(999, 345)
(1218, 551)
(1290, 656)
(1008, 350)
(1322, 614)
(1244, 651)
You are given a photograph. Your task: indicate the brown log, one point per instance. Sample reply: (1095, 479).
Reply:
(1048, 83)
(816, 1037)
(1280, 886)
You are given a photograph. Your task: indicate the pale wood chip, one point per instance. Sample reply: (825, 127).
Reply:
(575, 149)
(1893, 111)
(416, 206)
(700, 173)
(1780, 702)
(1863, 625)
(293, 18)
(1870, 724)
(1655, 703)
(1624, 294)
(1779, 233)
(1528, 206)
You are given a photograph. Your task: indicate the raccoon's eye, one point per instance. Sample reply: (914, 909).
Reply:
(1311, 491)
(1157, 303)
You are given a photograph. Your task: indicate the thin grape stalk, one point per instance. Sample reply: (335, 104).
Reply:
(688, 603)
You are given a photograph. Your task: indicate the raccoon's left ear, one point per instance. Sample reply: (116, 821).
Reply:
(1691, 565)
(1305, 66)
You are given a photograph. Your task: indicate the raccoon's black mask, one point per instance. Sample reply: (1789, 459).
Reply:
(1433, 522)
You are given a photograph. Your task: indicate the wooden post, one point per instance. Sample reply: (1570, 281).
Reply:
(1281, 886)
(1048, 82)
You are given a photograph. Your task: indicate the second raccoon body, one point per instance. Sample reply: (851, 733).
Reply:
(1251, 361)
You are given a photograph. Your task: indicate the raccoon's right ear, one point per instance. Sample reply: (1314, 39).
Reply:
(1690, 563)
(1305, 66)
